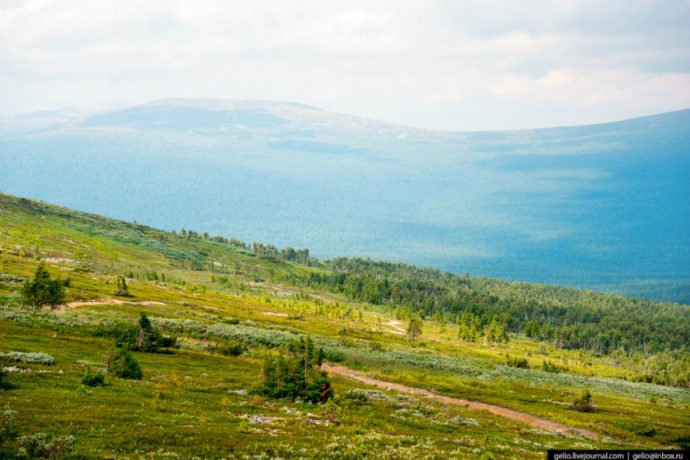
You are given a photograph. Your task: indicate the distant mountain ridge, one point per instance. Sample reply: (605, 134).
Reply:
(598, 206)
(298, 112)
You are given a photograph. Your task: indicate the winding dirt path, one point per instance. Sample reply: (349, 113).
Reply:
(536, 422)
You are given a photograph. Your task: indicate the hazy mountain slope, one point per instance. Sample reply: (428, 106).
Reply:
(595, 206)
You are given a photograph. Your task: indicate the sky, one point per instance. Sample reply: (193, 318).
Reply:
(446, 64)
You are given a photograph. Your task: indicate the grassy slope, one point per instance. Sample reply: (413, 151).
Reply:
(188, 403)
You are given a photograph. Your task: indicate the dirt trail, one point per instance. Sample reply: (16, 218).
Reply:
(396, 327)
(93, 303)
(522, 417)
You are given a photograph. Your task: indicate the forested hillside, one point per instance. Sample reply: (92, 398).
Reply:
(569, 318)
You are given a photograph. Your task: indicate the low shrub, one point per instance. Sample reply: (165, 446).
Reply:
(646, 429)
(4, 384)
(28, 358)
(548, 366)
(229, 349)
(357, 394)
(584, 403)
(141, 337)
(7, 429)
(520, 363)
(122, 363)
(458, 420)
(10, 278)
(376, 346)
(332, 355)
(42, 446)
(93, 379)
(246, 333)
(123, 333)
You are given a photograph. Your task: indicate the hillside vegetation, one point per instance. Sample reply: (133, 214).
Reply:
(216, 327)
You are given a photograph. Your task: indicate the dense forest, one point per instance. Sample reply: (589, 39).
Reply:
(568, 317)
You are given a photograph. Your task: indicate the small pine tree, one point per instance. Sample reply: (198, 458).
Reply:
(502, 334)
(496, 333)
(532, 328)
(499, 331)
(42, 290)
(463, 332)
(414, 328)
(150, 339)
(547, 331)
(473, 335)
(489, 334)
(145, 332)
(122, 288)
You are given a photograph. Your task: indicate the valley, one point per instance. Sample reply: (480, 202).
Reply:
(592, 207)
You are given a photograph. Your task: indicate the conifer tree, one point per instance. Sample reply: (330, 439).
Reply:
(122, 288)
(296, 375)
(414, 328)
(473, 335)
(463, 332)
(42, 290)
(489, 334)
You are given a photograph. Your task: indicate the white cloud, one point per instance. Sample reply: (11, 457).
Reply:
(441, 64)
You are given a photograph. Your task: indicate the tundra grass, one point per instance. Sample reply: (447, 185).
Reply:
(193, 404)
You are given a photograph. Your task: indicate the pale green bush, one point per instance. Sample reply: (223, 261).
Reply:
(43, 446)
(28, 358)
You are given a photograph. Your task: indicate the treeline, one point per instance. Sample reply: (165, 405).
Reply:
(263, 251)
(569, 318)
(272, 253)
(194, 235)
(155, 276)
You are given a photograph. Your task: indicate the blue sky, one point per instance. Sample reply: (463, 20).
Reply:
(462, 65)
